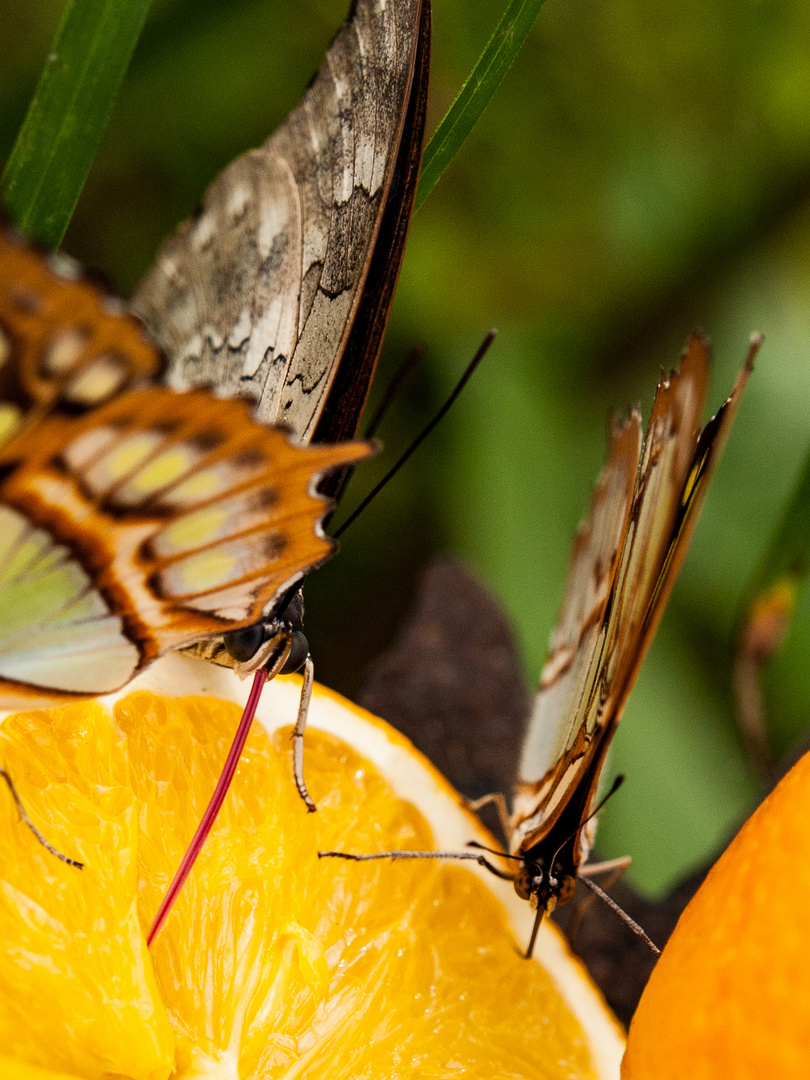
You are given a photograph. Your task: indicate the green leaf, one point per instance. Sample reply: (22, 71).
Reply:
(477, 91)
(769, 605)
(787, 558)
(69, 113)
(786, 563)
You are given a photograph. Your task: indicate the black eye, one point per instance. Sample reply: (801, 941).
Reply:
(298, 654)
(243, 644)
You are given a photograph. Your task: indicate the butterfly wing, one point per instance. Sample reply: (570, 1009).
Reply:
(264, 292)
(64, 343)
(600, 640)
(557, 737)
(130, 523)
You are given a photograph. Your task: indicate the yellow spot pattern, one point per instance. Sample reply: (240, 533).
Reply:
(129, 455)
(162, 471)
(205, 571)
(203, 485)
(193, 530)
(9, 421)
(96, 383)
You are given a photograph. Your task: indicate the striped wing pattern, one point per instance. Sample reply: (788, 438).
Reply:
(64, 343)
(130, 522)
(624, 563)
(258, 294)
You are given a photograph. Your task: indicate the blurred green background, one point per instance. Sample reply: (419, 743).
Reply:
(645, 168)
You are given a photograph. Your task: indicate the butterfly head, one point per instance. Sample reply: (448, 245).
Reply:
(545, 883)
(276, 642)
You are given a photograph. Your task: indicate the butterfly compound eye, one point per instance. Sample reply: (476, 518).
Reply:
(243, 644)
(299, 651)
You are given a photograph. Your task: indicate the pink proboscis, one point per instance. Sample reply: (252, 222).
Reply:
(214, 806)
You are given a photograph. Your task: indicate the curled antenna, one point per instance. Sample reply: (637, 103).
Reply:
(420, 438)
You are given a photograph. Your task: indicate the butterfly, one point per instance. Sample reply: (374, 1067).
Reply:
(279, 289)
(624, 562)
(134, 519)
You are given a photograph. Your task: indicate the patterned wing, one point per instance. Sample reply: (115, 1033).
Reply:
(556, 738)
(262, 293)
(575, 714)
(64, 343)
(149, 523)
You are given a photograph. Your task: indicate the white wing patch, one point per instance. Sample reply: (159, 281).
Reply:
(56, 631)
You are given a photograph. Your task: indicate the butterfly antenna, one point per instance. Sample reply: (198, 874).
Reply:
(417, 442)
(214, 806)
(402, 373)
(631, 923)
(494, 851)
(24, 815)
(391, 391)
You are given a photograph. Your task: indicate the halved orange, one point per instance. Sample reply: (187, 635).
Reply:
(272, 963)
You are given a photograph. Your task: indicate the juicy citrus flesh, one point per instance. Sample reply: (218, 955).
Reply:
(273, 963)
(730, 996)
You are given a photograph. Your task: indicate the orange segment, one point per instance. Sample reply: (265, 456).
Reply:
(730, 994)
(76, 983)
(14, 1069)
(273, 963)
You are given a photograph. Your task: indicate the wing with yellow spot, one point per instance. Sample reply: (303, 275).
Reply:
(65, 344)
(154, 521)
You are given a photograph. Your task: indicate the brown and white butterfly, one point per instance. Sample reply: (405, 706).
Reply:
(172, 523)
(625, 558)
(280, 288)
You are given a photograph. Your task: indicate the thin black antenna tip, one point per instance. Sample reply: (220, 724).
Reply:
(483, 349)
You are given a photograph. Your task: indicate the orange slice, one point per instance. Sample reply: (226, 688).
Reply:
(272, 963)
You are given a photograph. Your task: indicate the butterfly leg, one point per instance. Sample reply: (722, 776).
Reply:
(298, 734)
(24, 815)
(615, 868)
(631, 923)
(498, 799)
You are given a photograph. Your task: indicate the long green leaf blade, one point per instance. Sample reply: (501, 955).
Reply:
(69, 113)
(787, 559)
(477, 91)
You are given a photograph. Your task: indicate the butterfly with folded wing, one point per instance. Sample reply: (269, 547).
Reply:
(624, 562)
(139, 517)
